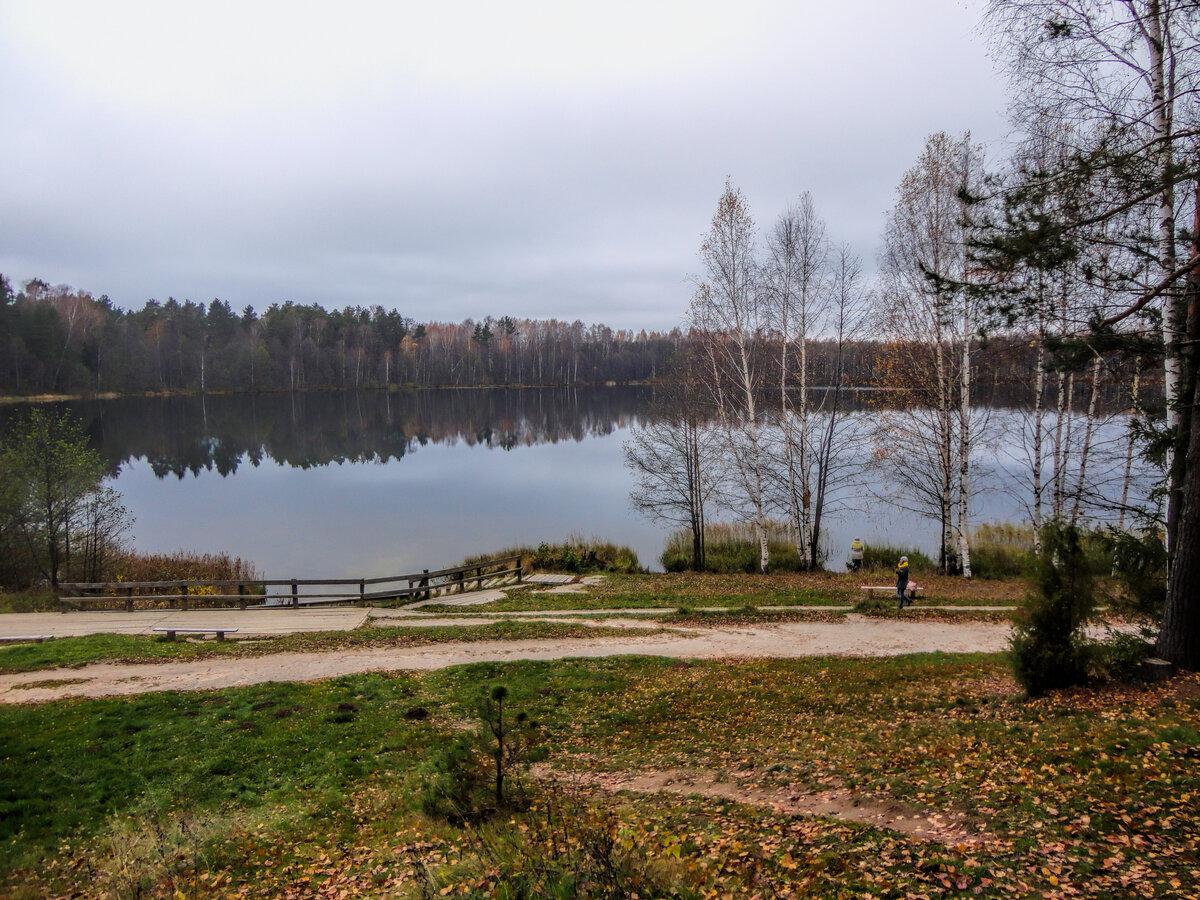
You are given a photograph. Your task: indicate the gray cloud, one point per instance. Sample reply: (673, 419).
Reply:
(562, 183)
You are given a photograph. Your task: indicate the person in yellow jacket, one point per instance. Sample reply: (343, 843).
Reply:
(856, 555)
(902, 582)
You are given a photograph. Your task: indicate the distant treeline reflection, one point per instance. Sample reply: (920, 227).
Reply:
(178, 435)
(218, 433)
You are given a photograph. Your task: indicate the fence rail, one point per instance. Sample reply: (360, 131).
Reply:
(257, 594)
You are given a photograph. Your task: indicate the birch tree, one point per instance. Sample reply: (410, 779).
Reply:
(1125, 73)
(931, 321)
(727, 316)
(836, 441)
(793, 280)
(673, 458)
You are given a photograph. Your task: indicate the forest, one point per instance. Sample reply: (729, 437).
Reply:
(65, 341)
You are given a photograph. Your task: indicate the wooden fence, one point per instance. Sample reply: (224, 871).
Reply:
(264, 593)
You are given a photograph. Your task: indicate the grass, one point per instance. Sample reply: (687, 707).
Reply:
(1002, 550)
(576, 555)
(307, 789)
(698, 590)
(180, 566)
(119, 648)
(731, 548)
(33, 600)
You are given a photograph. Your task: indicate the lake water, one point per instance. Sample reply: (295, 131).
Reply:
(374, 484)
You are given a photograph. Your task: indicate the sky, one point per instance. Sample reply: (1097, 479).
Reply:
(458, 159)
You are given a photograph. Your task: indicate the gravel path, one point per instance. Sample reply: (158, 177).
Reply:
(855, 636)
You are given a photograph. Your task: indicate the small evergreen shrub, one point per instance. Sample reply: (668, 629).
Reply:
(455, 780)
(1139, 563)
(480, 771)
(1120, 657)
(1048, 650)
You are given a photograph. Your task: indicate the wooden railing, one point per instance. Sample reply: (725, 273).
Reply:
(258, 594)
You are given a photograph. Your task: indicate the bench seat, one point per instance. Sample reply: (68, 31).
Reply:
(172, 630)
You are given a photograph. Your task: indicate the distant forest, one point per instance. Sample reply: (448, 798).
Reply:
(57, 340)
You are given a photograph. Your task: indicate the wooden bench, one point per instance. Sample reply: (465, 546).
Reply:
(172, 630)
(26, 638)
(889, 590)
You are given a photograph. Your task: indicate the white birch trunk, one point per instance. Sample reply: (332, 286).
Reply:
(805, 444)
(1087, 442)
(1137, 410)
(964, 444)
(945, 450)
(1039, 414)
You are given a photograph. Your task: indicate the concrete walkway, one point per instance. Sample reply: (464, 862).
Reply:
(248, 622)
(263, 622)
(857, 636)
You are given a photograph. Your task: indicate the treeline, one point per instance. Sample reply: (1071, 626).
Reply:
(60, 340)
(57, 340)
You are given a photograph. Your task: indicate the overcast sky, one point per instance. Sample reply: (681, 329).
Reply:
(457, 159)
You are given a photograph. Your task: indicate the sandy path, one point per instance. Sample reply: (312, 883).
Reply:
(856, 636)
(946, 827)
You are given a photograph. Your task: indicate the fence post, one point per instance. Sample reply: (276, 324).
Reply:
(183, 597)
(128, 599)
(295, 595)
(241, 596)
(425, 584)
(362, 591)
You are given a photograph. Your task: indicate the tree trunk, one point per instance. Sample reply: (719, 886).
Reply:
(1039, 412)
(1137, 411)
(1087, 442)
(1060, 455)
(1179, 637)
(964, 453)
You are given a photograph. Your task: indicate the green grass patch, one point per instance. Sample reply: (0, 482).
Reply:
(732, 548)
(310, 789)
(696, 590)
(300, 788)
(80, 651)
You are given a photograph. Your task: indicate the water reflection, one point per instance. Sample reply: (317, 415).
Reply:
(374, 484)
(189, 435)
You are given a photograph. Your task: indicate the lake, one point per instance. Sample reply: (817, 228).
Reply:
(375, 483)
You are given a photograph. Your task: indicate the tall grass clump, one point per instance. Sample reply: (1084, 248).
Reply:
(577, 555)
(1049, 649)
(182, 566)
(884, 557)
(1002, 550)
(731, 548)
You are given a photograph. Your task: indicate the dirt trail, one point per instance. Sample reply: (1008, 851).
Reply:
(855, 636)
(928, 825)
